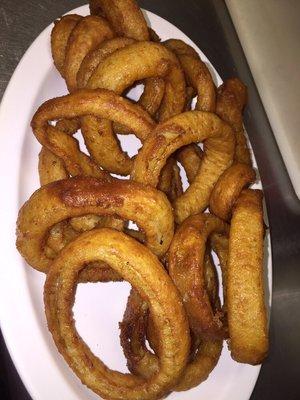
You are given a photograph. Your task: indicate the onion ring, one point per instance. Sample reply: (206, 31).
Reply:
(190, 158)
(231, 99)
(197, 74)
(79, 196)
(247, 321)
(142, 269)
(101, 103)
(125, 17)
(186, 268)
(88, 33)
(228, 188)
(183, 129)
(137, 321)
(59, 38)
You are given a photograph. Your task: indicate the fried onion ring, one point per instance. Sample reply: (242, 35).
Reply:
(197, 74)
(79, 196)
(183, 129)
(59, 38)
(100, 103)
(136, 322)
(88, 33)
(125, 17)
(231, 99)
(247, 321)
(228, 188)
(186, 267)
(142, 269)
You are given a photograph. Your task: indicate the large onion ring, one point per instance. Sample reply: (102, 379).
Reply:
(79, 196)
(142, 269)
(183, 129)
(247, 321)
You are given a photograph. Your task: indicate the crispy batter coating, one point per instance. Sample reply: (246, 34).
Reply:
(247, 319)
(183, 129)
(228, 189)
(231, 99)
(186, 264)
(100, 103)
(196, 73)
(125, 17)
(135, 263)
(88, 33)
(79, 196)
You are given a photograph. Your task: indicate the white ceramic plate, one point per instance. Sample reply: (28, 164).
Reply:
(98, 309)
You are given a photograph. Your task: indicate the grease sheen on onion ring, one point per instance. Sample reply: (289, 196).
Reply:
(183, 129)
(135, 263)
(186, 264)
(79, 196)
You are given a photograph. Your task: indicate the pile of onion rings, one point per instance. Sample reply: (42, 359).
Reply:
(75, 227)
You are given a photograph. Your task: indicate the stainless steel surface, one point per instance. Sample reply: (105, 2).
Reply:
(208, 24)
(269, 32)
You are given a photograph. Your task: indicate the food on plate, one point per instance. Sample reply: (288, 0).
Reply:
(231, 100)
(138, 265)
(247, 320)
(228, 188)
(77, 227)
(197, 74)
(98, 103)
(183, 129)
(125, 17)
(137, 324)
(78, 196)
(186, 265)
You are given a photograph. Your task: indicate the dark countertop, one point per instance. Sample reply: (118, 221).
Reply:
(208, 24)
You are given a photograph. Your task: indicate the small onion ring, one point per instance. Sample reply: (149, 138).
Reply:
(197, 74)
(231, 99)
(183, 129)
(228, 188)
(135, 263)
(247, 320)
(79, 196)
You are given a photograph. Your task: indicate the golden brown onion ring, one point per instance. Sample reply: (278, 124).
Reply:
(125, 17)
(79, 196)
(139, 61)
(190, 158)
(183, 129)
(247, 319)
(59, 38)
(140, 361)
(100, 103)
(186, 264)
(231, 99)
(88, 33)
(51, 167)
(170, 180)
(197, 74)
(135, 263)
(228, 188)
